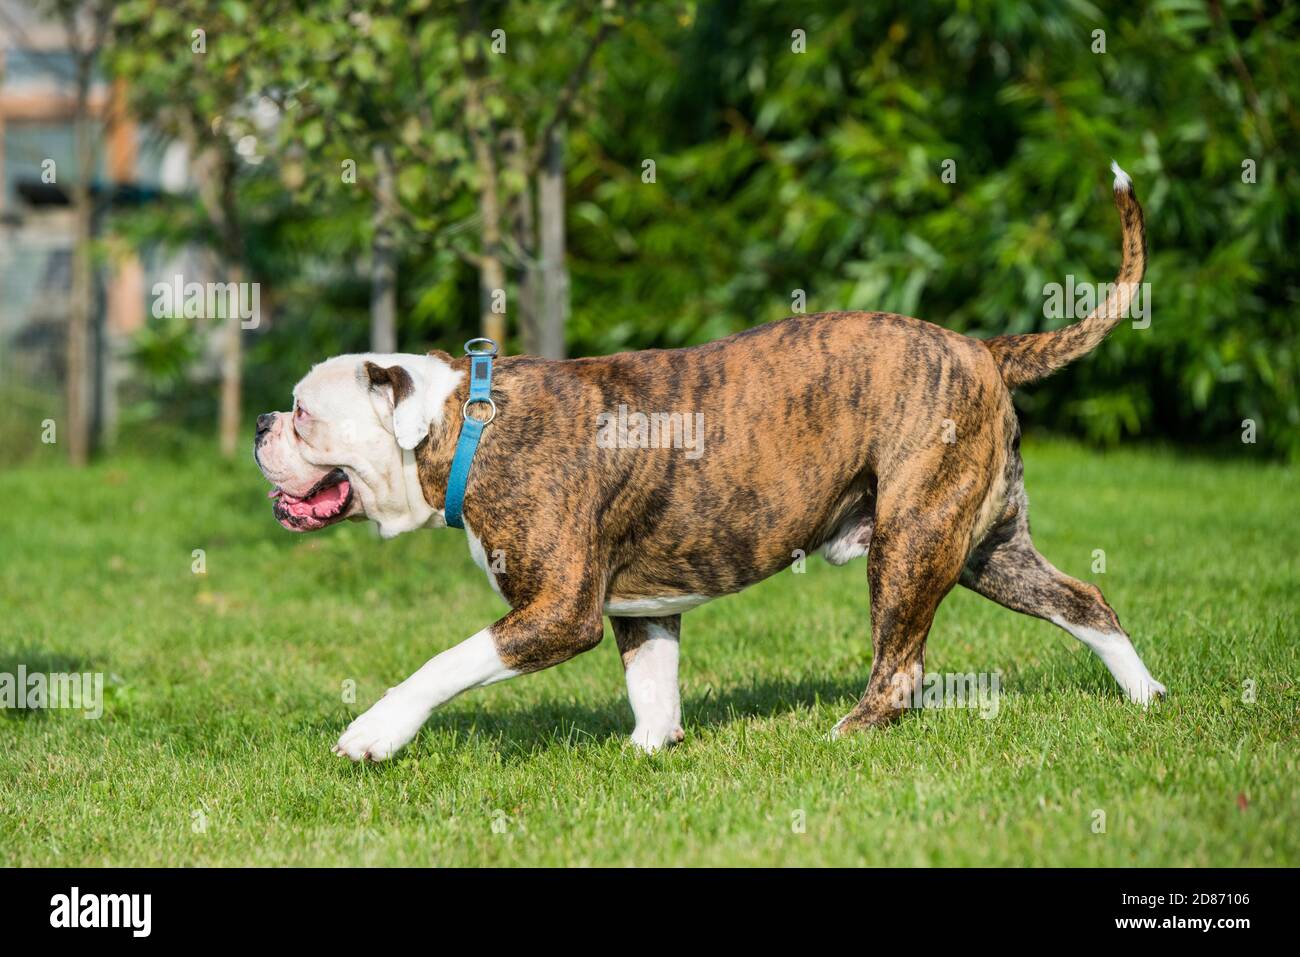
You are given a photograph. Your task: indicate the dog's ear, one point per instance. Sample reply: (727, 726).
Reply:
(395, 377)
(403, 389)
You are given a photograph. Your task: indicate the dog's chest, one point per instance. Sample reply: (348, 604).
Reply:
(491, 564)
(623, 606)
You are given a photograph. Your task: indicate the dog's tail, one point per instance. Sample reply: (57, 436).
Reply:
(1028, 358)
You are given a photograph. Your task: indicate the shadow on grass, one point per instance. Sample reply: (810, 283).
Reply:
(524, 732)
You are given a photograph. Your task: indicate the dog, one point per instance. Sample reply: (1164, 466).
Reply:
(847, 434)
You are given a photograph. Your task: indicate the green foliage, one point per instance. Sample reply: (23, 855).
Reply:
(819, 171)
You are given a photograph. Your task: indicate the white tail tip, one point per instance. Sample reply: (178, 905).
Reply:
(1122, 181)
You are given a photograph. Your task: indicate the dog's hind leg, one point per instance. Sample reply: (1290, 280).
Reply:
(921, 537)
(1007, 569)
(649, 647)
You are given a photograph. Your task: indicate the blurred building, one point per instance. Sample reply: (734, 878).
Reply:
(38, 169)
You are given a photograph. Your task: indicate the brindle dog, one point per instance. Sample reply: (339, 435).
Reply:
(844, 433)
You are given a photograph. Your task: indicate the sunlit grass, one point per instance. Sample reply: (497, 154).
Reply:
(225, 691)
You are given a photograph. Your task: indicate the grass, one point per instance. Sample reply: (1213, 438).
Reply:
(225, 691)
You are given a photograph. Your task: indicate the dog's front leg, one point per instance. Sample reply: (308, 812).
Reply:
(395, 718)
(530, 638)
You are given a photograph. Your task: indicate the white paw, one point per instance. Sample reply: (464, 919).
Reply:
(1145, 691)
(651, 738)
(385, 729)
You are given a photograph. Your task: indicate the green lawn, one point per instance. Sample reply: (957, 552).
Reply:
(225, 693)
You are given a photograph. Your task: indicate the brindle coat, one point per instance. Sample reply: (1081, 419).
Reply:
(837, 430)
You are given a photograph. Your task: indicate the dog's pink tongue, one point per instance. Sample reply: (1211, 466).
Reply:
(313, 513)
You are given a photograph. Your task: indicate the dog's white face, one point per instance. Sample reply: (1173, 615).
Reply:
(339, 452)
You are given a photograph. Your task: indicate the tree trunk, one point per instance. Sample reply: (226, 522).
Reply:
(80, 382)
(383, 258)
(491, 269)
(554, 267)
(213, 165)
(232, 364)
(215, 172)
(124, 290)
(524, 236)
(492, 284)
(231, 367)
(491, 273)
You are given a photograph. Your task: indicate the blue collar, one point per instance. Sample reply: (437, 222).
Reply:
(480, 390)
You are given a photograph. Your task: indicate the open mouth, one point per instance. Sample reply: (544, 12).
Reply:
(325, 504)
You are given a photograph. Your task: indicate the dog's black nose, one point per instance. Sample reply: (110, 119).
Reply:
(264, 422)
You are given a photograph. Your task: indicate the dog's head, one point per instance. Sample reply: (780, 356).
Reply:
(339, 452)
